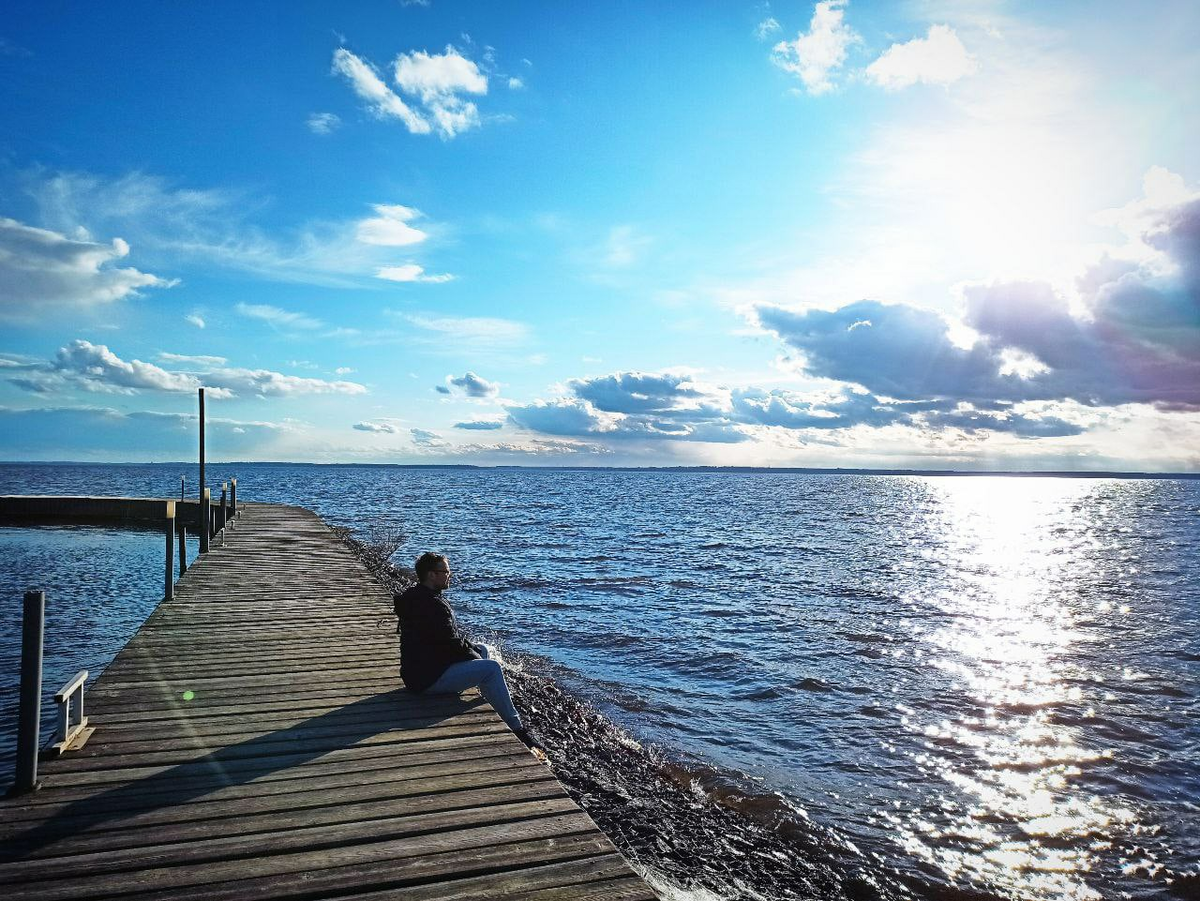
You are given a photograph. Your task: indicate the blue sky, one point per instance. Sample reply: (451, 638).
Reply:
(845, 234)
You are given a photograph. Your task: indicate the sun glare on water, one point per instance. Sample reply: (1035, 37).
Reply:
(1005, 745)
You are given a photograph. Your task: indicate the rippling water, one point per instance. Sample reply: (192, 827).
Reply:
(986, 682)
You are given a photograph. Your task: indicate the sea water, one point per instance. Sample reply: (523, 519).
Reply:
(984, 682)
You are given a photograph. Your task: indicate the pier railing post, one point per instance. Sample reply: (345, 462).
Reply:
(233, 511)
(224, 508)
(181, 529)
(205, 521)
(169, 583)
(29, 720)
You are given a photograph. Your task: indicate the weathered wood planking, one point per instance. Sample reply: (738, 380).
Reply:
(253, 741)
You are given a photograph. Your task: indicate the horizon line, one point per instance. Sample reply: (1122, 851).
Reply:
(813, 470)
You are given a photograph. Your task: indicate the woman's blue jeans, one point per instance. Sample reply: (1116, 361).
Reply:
(486, 675)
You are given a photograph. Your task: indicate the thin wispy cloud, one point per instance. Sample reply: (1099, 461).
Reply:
(214, 228)
(390, 228)
(323, 123)
(277, 317)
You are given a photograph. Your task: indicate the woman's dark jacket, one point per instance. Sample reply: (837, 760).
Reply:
(429, 637)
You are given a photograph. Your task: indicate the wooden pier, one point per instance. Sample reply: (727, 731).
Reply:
(253, 741)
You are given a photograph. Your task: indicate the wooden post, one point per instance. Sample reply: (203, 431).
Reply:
(202, 482)
(233, 511)
(182, 530)
(169, 582)
(29, 720)
(224, 506)
(205, 521)
(182, 496)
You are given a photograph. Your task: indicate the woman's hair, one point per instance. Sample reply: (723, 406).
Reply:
(426, 563)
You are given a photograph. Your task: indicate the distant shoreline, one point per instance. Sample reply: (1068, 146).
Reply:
(1052, 474)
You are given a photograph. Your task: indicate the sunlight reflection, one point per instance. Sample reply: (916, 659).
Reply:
(1017, 552)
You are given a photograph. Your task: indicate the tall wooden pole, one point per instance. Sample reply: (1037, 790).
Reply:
(33, 619)
(202, 482)
(169, 570)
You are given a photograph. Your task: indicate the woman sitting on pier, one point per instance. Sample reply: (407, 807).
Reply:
(435, 657)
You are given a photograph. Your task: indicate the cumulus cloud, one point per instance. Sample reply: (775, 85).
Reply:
(634, 405)
(939, 58)
(410, 272)
(390, 227)
(473, 385)
(267, 383)
(98, 368)
(515, 83)
(382, 102)
(434, 82)
(1138, 340)
(93, 367)
(40, 269)
(323, 123)
(195, 319)
(818, 53)
(425, 438)
(670, 407)
(480, 425)
(381, 427)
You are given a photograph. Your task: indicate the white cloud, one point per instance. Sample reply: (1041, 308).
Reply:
(473, 385)
(940, 58)
(41, 268)
(471, 330)
(94, 367)
(625, 245)
(168, 224)
(515, 83)
(411, 272)
(277, 317)
(434, 76)
(98, 368)
(381, 100)
(266, 383)
(195, 319)
(323, 123)
(820, 51)
(343, 370)
(190, 360)
(380, 427)
(424, 438)
(390, 227)
(437, 80)
(766, 28)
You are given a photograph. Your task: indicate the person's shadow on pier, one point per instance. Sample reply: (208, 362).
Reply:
(301, 744)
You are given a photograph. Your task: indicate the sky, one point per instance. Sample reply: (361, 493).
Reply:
(938, 235)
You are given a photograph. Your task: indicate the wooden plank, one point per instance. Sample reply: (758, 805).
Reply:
(295, 765)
